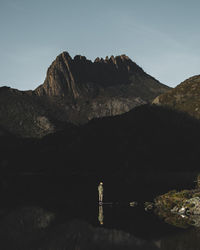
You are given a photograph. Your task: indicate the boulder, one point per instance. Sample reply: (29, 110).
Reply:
(188, 206)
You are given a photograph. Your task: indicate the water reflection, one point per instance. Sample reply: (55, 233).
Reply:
(185, 240)
(34, 225)
(180, 220)
(100, 217)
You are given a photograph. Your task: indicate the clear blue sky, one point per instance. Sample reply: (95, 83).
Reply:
(162, 36)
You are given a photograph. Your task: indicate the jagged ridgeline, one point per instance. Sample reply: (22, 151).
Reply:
(76, 91)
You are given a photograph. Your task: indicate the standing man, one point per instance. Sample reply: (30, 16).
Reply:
(100, 215)
(100, 189)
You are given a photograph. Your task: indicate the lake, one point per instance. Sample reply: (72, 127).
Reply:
(80, 223)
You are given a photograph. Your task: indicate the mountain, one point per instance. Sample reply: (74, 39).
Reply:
(24, 114)
(185, 97)
(76, 91)
(149, 137)
(128, 151)
(80, 78)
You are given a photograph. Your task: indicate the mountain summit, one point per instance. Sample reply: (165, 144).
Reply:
(79, 77)
(77, 90)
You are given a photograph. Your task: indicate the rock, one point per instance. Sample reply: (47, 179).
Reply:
(188, 206)
(179, 208)
(148, 206)
(182, 210)
(156, 100)
(175, 209)
(45, 124)
(133, 204)
(194, 220)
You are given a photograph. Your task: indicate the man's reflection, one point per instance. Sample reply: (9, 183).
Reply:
(100, 215)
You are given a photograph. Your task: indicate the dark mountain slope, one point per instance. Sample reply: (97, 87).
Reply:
(128, 152)
(147, 138)
(24, 114)
(185, 97)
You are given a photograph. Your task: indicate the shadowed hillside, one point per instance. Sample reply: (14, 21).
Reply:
(185, 97)
(129, 149)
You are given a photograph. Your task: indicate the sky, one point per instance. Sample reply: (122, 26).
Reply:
(161, 36)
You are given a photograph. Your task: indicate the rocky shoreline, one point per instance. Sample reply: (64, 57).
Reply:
(181, 209)
(183, 202)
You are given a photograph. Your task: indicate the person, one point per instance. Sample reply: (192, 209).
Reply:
(100, 215)
(100, 189)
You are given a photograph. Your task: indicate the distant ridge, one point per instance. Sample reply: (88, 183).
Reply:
(185, 97)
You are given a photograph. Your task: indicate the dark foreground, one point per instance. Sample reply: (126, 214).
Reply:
(48, 187)
(44, 212)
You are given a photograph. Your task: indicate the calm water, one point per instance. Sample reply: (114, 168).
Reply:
(76, 199)
(147, 226)
(140, 224)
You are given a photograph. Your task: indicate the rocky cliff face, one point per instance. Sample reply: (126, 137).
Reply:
(77, 90)
(81, 78)
(22, 113)
(106, 87)
(185, 97)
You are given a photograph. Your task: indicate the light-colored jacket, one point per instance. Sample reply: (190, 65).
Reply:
(100, 189)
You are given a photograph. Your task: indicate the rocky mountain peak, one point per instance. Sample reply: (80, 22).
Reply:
(59, 79)
(78, 77)
(63, 57)
(67, 76)
(80, 58)
(113, 59)
(124, 57)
